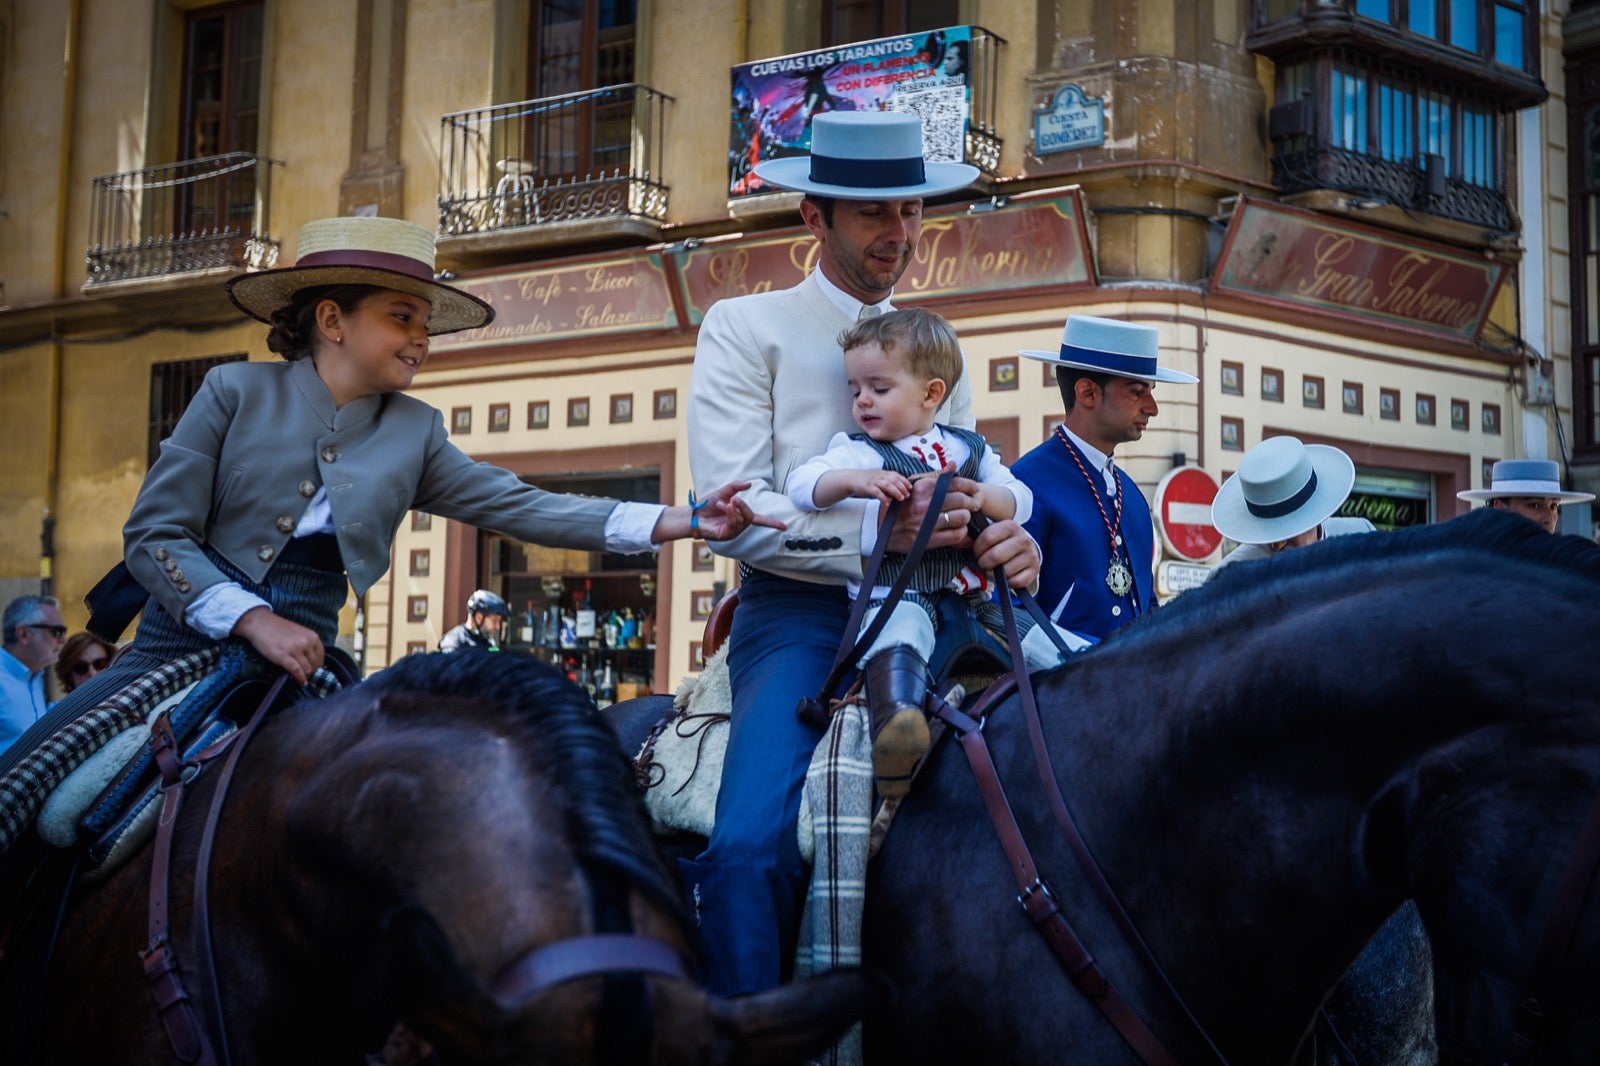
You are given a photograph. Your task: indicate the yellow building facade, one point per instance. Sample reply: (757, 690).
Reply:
(582, 169)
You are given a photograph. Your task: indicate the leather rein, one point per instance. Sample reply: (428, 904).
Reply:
(1044, 910)
(1035, 896)
(529, 974)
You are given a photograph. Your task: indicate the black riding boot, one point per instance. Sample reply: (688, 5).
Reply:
(897, 686)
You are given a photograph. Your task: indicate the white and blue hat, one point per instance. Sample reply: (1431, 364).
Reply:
(1111, 346)
(1283, 487)
(866, 155)
(1525, 477)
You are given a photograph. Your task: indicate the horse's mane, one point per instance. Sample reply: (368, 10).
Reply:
(552, 720)
(1491, 534)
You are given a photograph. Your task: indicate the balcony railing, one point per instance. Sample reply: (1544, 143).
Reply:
(195, 215)
(1403, 184)
(588, 155)
(983, 133)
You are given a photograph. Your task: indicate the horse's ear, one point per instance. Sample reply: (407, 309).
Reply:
(796, 1022)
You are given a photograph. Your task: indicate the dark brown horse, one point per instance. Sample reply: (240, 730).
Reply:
(1264, 770)
(385, 856)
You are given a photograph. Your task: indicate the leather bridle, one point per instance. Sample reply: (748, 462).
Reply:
(530, 974)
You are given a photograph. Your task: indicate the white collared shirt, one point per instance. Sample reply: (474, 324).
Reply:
(1097, 459)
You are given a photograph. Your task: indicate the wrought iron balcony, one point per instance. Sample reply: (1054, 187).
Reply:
(983, 132)
(195, 215)
(588, 155)
(1387, 181)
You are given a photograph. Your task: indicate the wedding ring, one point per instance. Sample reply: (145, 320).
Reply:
(945, 517)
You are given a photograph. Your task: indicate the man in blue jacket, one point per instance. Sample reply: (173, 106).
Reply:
(1091, 521)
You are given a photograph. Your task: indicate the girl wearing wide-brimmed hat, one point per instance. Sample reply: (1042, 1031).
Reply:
(283, 483)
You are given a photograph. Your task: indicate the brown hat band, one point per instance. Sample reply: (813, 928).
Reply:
(346, 257)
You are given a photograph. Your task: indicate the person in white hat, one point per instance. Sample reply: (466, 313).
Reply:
(1528, 487)
(283, 483)
(1092, 522)
(1284, 495)
(769, 391)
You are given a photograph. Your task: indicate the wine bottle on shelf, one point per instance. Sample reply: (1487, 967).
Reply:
(585, 631)
(528, 634)
(611, 631)
(606, 694)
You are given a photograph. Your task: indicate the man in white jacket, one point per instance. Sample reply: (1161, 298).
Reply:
(767, 393)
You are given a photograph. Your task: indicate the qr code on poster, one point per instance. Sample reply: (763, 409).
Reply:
(943, 114)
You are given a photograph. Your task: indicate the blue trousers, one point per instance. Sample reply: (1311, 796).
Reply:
(749, 885)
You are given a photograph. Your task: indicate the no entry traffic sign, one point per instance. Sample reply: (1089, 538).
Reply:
(1183, 513)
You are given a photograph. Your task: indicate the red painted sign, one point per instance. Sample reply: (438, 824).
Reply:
(583, 299)
(1295, 257)
(1024, 245)
(1183, 513)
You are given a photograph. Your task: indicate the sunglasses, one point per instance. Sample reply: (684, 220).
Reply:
(83, 667)
(55, 631)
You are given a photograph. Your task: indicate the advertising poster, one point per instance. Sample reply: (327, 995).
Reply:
(926, 74)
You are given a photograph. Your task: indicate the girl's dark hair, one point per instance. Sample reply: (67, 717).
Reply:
(294, 327)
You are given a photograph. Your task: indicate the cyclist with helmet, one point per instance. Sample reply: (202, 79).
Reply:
(486, 617)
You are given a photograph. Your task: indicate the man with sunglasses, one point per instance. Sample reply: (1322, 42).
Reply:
(34, 633)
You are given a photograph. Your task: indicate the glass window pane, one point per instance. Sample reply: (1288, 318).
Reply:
(1464, 24)
(1348, 110)
(1424, 17)
(1591, 295)
(1373, 9)
(1396, 133)
(1281, 9)
(1508, 26)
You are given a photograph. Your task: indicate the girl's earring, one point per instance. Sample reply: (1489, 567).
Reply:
(339, 339)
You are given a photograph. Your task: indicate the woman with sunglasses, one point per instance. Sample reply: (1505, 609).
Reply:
(83, 656)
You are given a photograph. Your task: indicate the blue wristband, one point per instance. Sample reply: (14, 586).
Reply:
(694, 514)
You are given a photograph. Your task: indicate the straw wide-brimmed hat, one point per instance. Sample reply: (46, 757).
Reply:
(390, 253)
(1111, 346)
(1525, 477)
(1283, 487)
(866, 155)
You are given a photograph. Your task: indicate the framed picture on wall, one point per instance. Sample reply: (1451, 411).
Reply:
(1049, 375)
(1311, 391)
(1389, 404)
(499, 417)
(1271, 385)
(1233, 434)
(539, 414)
(421, 521)
(1352, 398)
(460, 420)
(416, 647)
(701, 603)
(704, 558)
(421, 562)
(1232, 379)
(697, 658)
(417, 608)
(622, 407)
(1425, 410)
(578, 411)
(1486, 475)
(1460, 411)
(1002, 375)
(665, 403)
(1491, 418)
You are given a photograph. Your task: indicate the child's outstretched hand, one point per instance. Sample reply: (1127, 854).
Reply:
(718, 515)
(285, 644)
(885, 486)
